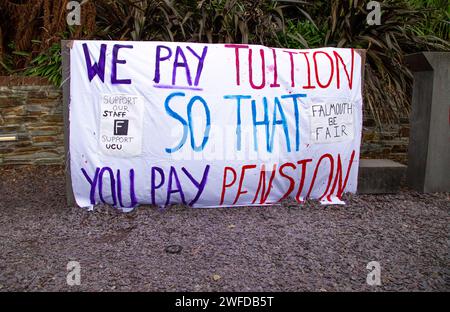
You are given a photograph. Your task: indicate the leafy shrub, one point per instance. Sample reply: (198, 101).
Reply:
(387, 81)
(213, 21)
(407, 26)
(47, 65)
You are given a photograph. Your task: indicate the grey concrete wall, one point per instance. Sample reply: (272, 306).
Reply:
(429, 147)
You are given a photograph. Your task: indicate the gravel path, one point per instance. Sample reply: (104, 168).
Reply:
(282, 248)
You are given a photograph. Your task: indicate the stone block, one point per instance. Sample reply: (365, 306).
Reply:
(429, 148)
(380, 176)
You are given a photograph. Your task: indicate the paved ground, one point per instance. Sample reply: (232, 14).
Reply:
(284, 248)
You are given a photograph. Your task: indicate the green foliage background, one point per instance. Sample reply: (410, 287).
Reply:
(407, 26)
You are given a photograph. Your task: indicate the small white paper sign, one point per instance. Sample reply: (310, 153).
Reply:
(121, 124)
(332, 122)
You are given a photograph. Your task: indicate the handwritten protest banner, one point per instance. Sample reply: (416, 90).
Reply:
(211, 125)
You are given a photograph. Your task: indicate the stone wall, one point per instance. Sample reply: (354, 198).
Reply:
(388, 141)
(33, 110)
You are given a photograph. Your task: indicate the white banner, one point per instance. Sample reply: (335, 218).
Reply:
(212, 125)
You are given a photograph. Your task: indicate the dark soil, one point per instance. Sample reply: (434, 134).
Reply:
(280, 248)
